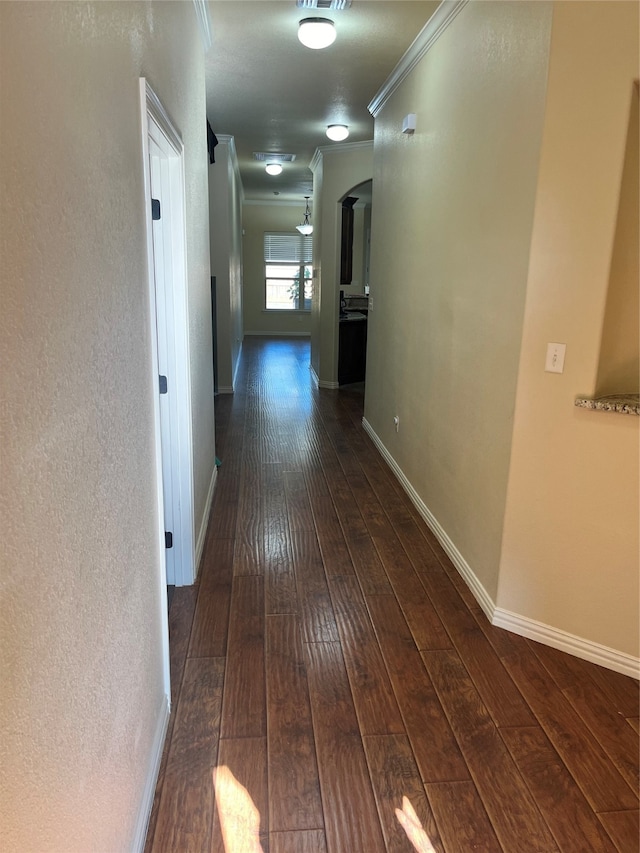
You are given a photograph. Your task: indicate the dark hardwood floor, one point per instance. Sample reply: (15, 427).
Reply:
(332, 658)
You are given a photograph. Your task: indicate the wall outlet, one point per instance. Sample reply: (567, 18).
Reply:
(371, 303)
(555, 358)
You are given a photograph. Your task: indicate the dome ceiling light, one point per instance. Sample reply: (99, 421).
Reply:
(316, 33)
(273, 168)
(337, 132)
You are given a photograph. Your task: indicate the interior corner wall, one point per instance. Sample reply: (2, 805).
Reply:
(571, 549)
(225, 222)
(316, 295)
(83, 696)
(451, 226)
(361, 215)
(258, 217)
(343, 167)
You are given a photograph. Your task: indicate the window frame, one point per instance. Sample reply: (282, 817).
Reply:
(293, 251)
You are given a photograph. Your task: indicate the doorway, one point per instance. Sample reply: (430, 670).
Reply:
(163, 167)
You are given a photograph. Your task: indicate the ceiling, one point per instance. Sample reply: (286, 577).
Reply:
(274, 95)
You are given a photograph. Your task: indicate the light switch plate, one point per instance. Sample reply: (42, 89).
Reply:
(555, 358)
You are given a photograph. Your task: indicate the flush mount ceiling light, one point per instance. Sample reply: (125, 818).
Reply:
(316, 33)
(337, 132)
(305, 227)
(273, 168)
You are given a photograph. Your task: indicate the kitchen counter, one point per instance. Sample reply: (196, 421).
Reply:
(626, 404)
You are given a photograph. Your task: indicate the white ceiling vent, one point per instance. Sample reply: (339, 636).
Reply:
(268, 156)
(323, 4)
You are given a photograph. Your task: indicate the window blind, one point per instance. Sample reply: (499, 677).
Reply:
(281, 247)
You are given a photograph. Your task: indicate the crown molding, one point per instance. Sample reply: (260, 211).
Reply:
(336, 148)
(201, 8)
(424, 41)
(230, 142)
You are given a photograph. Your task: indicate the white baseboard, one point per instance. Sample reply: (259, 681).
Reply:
(225, 389)
(498, 616)
(481, 595)
(322, 383)
(204, 523)
(142, 824)
(564, 642)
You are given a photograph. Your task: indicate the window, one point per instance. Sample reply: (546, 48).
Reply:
(288, 272)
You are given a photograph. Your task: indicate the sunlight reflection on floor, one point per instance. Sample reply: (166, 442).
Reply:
(240, 819)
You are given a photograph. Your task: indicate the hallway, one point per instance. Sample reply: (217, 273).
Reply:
(331, 657)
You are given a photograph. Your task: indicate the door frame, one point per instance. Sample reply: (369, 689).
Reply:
(173, 446)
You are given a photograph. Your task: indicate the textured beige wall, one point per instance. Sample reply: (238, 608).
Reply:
(618, 368)
(225, 217)
(342, 167)
(570, 556)
(316, 299)
(256, 219)
(451, 224)
(80, 616)
(357, 282)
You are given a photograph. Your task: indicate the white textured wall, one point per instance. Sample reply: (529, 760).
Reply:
(80, 617)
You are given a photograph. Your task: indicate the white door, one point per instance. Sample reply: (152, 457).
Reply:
(164, 327)
(164, 199)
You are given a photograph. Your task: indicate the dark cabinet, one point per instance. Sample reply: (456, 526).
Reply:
(352, 353)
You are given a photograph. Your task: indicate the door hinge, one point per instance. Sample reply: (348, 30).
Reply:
(163, 384)
(155, 208)
(168, 539)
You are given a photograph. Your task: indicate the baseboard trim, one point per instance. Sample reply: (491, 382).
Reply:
(225, 389)
(565, 642)
(498, 616)
(480, 594)
(204, 524)
(142, 824)
(321, 383)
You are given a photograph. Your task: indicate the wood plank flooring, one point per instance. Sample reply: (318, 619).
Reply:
(333, 659)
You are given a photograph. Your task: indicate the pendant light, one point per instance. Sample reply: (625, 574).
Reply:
(305, 227)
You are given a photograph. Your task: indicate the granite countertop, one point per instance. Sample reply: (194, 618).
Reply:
(627, 404)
